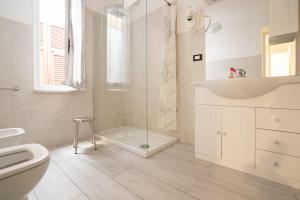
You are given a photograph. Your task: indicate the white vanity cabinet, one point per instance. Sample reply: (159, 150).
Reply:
(238, 138)
(277, 141)
(226, 134)
(283, 17)
(278, 119)
(259, 136)
(208, 131)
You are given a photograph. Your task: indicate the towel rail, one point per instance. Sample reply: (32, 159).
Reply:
(13, 89)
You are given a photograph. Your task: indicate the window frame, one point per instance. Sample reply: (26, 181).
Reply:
(118, 86)
(266, 48)
(38, 87)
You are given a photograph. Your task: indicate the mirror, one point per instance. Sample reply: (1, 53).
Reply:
(251, 38)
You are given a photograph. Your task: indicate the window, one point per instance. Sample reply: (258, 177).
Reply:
(282, 59)
(117, 45)
(50, 36)
(279, 59)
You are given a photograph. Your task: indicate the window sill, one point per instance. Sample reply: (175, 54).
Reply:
(59, 89)
(54, 91)
(118, 89)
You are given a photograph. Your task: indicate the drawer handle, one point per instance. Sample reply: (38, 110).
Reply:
(276, 142)
(224, 133)
(277, 120)
(276, 164)
(219, 133)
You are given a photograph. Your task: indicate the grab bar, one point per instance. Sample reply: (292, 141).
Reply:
(14, 89)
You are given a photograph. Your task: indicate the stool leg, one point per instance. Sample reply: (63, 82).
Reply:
(94, 138)
(93, 134)
(76, 136)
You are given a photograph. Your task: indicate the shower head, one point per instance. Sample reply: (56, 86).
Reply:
(168, 3)
(212, 27)
(117, 12)
(212, 2)
(215, 27)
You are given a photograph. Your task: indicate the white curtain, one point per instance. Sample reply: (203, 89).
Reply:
(168, 80)
(75, 61)
(118, 32)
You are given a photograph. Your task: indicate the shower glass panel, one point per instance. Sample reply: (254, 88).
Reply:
(162, 74)
(120, 81)
(128, 86)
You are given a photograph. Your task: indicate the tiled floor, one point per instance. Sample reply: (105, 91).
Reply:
(111, 173)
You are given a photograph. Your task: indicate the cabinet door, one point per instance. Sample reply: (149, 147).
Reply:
(283, 17)
(238, 135)
(208, 131)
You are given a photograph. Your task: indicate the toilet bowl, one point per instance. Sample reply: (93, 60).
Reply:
(21, 168)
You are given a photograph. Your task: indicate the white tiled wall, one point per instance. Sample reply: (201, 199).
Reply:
(46, 117)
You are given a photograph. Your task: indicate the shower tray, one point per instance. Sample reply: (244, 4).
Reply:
(135, 140)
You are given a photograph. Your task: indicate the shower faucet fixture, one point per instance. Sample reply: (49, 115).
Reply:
(212, 2)
(168, 3)
(189, 18)
(190, 14)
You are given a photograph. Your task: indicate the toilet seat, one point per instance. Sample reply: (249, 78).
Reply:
(17, 159)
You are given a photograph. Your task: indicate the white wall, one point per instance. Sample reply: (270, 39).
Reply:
(140, 9)
(17, 10)
(46, 117)
(241, 25)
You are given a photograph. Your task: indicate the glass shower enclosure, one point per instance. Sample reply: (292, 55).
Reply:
(121, 78)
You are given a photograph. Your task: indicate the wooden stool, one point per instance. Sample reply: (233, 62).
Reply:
(91, 121)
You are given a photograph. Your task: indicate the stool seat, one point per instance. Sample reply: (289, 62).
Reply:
(83, 119)
(91, 121)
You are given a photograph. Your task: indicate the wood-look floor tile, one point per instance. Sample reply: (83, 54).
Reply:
(188, 167)
(181, 152)
(149, 188)
(112, 173)
(104, 162)
(65, 152)
(94, 183)
(206, 190)
(162, 169)
(185, 150)
(81, 197)
(97, 158)
(248, 185)
(56, 185)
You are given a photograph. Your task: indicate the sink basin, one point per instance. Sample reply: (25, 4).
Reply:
(246, 88)
(10, 136)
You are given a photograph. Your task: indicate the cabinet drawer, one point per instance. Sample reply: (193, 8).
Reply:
(279, 142)
(279, 164)
(278, 119)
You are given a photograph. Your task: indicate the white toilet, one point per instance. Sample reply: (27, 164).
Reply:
(21, 168)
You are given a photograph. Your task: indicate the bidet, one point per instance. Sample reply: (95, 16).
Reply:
(10, 136)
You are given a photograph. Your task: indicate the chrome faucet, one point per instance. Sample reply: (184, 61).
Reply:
(242, 73)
